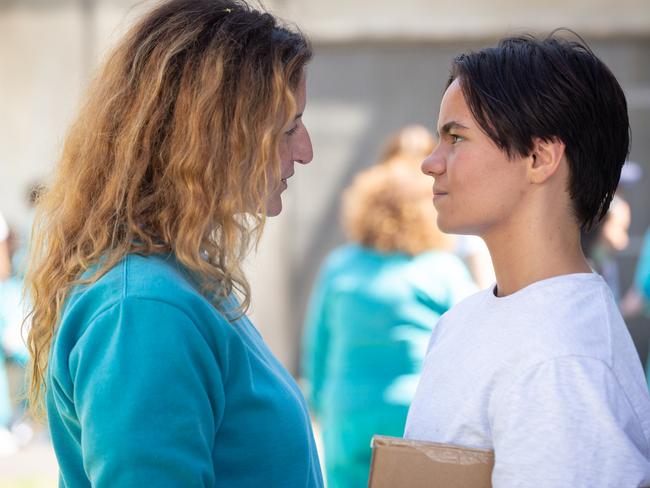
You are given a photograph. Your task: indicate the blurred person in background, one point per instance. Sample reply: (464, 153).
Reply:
(371, 313)
(5, 254)
(642, 284)
(602, 244)
(13, 324)
(7, 443)
(637, 299)
(409, 144)
(476, 256)
(150, 371)
(12, 351)
(20, 245)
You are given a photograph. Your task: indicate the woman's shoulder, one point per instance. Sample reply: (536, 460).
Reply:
(155, 278)
(145, 295)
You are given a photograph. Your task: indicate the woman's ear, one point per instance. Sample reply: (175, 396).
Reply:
(545, 159)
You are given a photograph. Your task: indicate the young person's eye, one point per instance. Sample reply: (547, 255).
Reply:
(455, 138)
(292, 131)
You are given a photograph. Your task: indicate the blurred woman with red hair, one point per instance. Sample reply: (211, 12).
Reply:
(372, 310)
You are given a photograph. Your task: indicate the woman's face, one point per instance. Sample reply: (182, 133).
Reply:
(295, 147)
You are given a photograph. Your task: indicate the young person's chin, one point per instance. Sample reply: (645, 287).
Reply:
(457, 228)
(446, 226)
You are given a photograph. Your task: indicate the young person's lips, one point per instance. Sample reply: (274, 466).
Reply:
(437, 193)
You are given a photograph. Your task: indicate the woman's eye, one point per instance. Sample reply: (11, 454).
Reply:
(292, 131)
(455, 138)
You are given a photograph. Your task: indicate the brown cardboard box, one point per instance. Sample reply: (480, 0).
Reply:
(402, 463)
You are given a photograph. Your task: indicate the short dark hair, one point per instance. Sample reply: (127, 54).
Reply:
(552, 88)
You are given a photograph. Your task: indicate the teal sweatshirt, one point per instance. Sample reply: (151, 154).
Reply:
(149, 385)
(369, 322)
(366, 333)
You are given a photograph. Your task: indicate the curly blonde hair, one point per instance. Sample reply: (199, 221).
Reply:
(171, 152)
(388, 208)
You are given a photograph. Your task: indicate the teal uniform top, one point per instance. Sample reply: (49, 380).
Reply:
(642, 282)
(11, 319)
(150, 385)
(369, 322)
(368, 325)
(642, 276)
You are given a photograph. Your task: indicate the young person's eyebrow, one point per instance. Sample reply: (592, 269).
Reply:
(449, 126)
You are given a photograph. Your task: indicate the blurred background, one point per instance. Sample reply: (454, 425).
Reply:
(378, 66)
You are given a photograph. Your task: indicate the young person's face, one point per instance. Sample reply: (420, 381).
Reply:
(476, 187)
(295, 146)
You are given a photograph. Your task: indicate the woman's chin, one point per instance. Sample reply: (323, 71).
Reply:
(274, 207)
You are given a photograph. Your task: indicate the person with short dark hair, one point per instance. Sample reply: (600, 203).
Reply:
(540, 367)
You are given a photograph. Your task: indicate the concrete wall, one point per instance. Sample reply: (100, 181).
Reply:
(378, 66)
(442, 20)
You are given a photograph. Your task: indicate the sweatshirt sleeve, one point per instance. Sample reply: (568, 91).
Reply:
(149, 396)
(567, 422)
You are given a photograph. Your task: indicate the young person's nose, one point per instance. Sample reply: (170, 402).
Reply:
(434, 164)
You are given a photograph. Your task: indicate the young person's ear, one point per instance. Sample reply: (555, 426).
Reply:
(545, 159)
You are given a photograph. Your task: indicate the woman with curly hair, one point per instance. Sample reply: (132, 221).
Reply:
(371, 313)
(143, 357)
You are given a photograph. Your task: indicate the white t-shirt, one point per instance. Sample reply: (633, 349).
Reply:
(548, 377)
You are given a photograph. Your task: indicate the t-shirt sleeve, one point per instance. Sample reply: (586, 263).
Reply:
(567, 422)
(149, 396)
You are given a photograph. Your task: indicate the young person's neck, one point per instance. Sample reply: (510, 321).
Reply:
(537, 249)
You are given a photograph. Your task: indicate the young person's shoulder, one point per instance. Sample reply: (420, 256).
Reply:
(565, 315)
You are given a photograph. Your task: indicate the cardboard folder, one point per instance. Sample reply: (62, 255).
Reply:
(405, 463)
